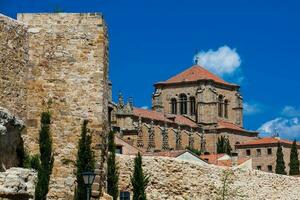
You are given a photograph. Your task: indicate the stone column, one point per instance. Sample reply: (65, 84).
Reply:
(151, 142)
(165, 143)
(178, 138)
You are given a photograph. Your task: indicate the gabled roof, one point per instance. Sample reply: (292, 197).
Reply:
(266, 141)
(159, 116)
(193, 74)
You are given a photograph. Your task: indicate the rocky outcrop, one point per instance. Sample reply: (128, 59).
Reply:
(171, 179)
(17, 184)
(11, 143)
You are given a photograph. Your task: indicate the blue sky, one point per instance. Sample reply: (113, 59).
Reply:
(155, 39)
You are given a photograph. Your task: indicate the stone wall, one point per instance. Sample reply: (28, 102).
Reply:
(13, 65)
(178, 180)
(17, 184)
(67, 74)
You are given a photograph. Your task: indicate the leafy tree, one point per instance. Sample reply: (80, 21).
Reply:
(223, 145)
(280, 166)
(46, 158)
(294, 160)
(139, 180)
(85, 160)
(112, 168)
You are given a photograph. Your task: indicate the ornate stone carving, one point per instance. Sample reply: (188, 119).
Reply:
(165, 142)
(140, 142)
(202, 142)
(151, 134)
(178, 138)
(191, 139)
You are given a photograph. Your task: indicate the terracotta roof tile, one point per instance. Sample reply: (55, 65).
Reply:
(229, 125)
(212, 158)
(266, 140)
(195, 73)
(172, 154)
(150, 114)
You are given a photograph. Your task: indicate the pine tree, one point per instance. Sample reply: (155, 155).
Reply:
(112, 168)
(294, 160)
(85, 160)
(280, 166)
(223, 145)
(139, 180)
(46, 158)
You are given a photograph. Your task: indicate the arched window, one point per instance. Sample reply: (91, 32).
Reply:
(226, 108)
(174, 106)
(193, 105)
(183, 104)
(220, 106)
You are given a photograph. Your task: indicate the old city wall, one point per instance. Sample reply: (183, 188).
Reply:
(13, 65)
(178, 180)
(68, 69)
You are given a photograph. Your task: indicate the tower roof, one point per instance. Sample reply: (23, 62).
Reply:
(193, 74)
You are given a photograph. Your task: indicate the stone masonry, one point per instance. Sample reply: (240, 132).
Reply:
(172, 179)
(58, 62)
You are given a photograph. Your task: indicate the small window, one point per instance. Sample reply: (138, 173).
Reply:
(258, 152)
(270, 168)
(193, 105)
(258, 167)
(124, 196)
(119, 150)
(269, 151)
(248, 152)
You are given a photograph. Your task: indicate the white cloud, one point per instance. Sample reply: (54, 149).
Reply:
(250, 109)
(145, 107)
(290, 111)
(288, 128)
(222, 61)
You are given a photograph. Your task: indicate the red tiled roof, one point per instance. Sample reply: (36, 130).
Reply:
(212, 158)
(194, 73)
(229, 163)
(266, 140)
(229, 125)
(150, 114)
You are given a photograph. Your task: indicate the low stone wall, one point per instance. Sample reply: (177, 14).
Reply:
(17, 184)
(178, 180)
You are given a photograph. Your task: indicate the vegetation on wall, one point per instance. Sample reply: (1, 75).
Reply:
(112, 168)
(46, 158)
(195, 151)
(139, 180)
(294, 160)
(280, 165)
(223, 145)
(85, 160)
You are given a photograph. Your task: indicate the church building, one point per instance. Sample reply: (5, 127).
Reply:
(191, 109)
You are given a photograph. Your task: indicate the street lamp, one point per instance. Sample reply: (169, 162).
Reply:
(88, 179)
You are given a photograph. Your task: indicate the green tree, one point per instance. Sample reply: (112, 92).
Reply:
(280, 166)
(223, 145)
(112, 168)
(46, 158)
(195, 151)
(139, 180)
(85, 160)
(294, 160)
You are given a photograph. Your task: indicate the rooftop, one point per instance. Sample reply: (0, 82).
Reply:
(193, 74)
(266, 141)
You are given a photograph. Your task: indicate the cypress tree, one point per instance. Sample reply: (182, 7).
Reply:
(294, 160)
(139, 180)
(46, 158)
(280, 166)
(112, 168)
(85, 160)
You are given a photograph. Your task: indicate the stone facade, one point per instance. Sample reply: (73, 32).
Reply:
(171, 179)
(263, 154)
(191, 109)
(58, 62)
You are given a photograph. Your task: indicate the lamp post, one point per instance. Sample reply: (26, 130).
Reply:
(88, 178)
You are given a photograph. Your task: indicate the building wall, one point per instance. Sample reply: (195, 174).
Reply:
(265, 159)
(68, 69)
(13, 65)
(206, 95)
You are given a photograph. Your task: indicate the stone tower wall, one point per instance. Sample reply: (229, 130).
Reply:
(68, 69)
(13, 65)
